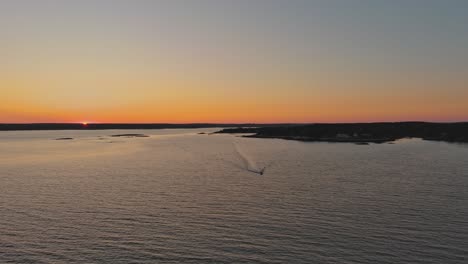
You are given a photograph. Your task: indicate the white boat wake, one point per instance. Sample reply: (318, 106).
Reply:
(248, 163)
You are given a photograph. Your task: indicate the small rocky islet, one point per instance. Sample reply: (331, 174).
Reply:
(130, 135)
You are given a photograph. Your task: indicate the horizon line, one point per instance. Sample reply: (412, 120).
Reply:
(224, 123)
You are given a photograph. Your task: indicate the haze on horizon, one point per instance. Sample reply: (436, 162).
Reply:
(233, 61)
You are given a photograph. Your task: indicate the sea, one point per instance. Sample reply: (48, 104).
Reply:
(189, 196)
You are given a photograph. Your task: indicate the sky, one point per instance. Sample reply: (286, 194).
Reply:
(228, 61)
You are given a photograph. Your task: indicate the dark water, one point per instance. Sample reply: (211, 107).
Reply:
(179, 197)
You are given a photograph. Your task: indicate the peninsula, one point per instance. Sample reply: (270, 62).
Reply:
(360, 132)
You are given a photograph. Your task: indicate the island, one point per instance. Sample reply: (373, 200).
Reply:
(130, 135)
(359, 132)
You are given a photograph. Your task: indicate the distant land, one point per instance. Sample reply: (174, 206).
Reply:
(103, 126)
(360, 133)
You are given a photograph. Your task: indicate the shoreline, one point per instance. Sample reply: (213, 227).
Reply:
(331, 140)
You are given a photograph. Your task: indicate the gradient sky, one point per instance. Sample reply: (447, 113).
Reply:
(233, 61)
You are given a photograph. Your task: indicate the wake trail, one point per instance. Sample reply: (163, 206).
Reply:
(248, 163)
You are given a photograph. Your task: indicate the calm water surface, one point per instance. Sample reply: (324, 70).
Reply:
(181, 197)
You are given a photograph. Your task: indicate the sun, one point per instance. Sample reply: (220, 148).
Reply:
(84, 123)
